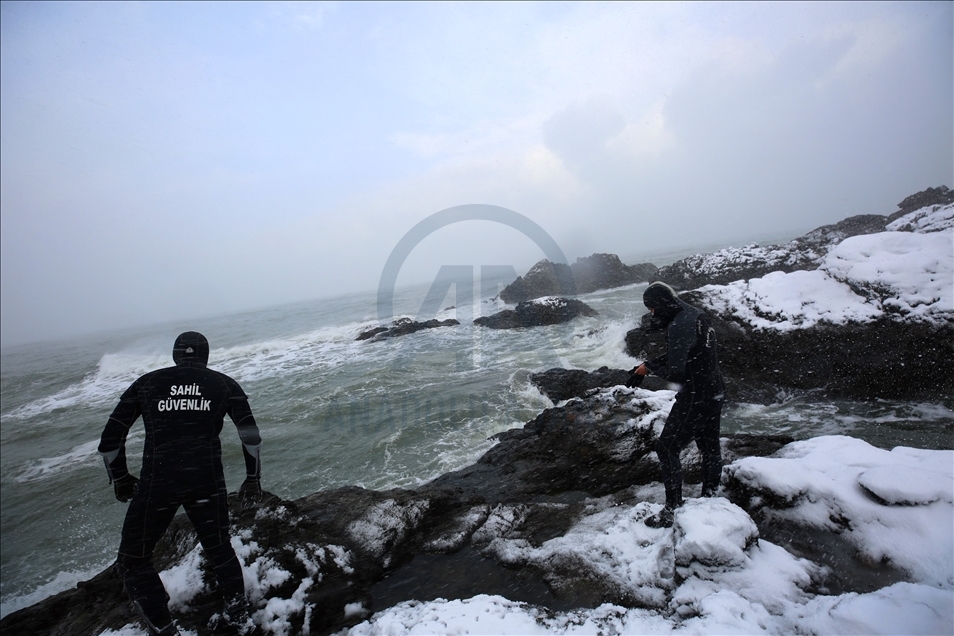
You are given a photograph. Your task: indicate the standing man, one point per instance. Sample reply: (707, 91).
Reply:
(692, 362)
(182, 409)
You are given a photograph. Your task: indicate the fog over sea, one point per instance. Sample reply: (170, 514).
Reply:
(332, 411)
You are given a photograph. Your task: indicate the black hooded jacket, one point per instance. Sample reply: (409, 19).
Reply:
(691, 359)
(182, 409)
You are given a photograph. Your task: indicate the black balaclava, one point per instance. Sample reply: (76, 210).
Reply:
(191, 348)
(662, 298)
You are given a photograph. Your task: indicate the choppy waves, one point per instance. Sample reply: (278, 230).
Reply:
(113, 373)
(323, 348)
(78, 457)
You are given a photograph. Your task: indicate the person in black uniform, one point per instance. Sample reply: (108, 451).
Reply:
(182, 409)
(692, 362)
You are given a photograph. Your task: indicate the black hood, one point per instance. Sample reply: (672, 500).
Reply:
(192, 349)
(662, 298)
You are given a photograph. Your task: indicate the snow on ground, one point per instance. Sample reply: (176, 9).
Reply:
(906, 272)
(754, 255)
(711, 574)
(933, 218)
(783, 302)
(905, 275)
(895, 506)
(385, 523)
(556, 302)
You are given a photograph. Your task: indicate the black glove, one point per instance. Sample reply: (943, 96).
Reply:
(251, 491)
(126, 488)
(634, 379)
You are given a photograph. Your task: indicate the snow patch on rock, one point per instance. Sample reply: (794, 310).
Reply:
(825, 483)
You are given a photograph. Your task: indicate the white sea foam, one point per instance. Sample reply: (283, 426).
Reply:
(65, 580)
(46, 466)
(320, 349)
(132, 630)
(79, 456)
(323, 348)
(592, 346)
(883, 423)
(113, 373)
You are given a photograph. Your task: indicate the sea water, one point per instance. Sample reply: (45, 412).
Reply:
(332, 411)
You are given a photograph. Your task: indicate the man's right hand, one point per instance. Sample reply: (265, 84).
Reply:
(251, 492)
(126, 488)
(636, 376)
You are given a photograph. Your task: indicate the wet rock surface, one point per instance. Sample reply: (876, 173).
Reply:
(403, 327)
(885, 359)
(537, 313)
(587, 274)
(563, 384)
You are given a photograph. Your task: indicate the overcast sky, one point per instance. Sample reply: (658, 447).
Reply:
(168, 160)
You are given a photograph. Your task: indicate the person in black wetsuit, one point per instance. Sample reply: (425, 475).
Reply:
(692, 362)
(182, 409)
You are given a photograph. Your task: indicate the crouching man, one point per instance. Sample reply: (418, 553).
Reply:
(182, 409)
(691, 361)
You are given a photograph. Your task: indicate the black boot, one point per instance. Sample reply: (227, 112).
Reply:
(237, 616)
(662, 519)
(168, 630)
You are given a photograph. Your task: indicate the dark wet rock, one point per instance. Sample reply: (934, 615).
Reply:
(606, 271)
(880, 360)
(283, 539)
(885, 359)
(91, 607)
(543, 279)
(403, 327)
(562, 384)
(587, 274)
(591, 445)
(537, 313)
(941, 195)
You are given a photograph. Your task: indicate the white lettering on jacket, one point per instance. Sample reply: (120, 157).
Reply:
(198, 403)
(184, 389)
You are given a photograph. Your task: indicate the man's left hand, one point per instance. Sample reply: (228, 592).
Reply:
(126, 488)
(251, 491)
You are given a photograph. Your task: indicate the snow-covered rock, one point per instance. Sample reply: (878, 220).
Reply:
(931, 218)
(847, 486)
(900, 275)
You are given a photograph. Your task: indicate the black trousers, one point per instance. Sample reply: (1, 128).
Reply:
(697, 417)
(149, 515)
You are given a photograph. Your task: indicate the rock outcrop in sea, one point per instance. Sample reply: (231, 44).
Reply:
(587, 274)
(549, 310)
(403, 327)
